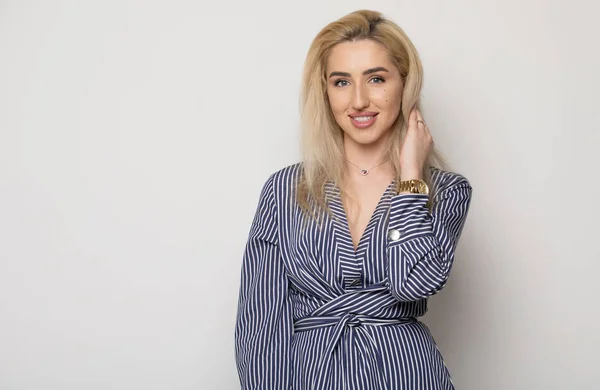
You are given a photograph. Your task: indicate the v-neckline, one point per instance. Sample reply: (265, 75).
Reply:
(344, 225)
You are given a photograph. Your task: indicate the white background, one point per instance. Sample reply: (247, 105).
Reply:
(135, 137)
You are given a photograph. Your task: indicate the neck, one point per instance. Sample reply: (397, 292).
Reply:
(367, 156)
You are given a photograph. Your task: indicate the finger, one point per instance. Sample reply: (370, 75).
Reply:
(420, 120)
(419, 117)
(412, 118)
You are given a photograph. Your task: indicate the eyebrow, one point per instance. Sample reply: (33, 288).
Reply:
(365, 73)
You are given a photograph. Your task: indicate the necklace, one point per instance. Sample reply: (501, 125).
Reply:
(364, 171)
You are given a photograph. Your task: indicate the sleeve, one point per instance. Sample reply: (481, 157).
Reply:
(264, 322)
(420, 257)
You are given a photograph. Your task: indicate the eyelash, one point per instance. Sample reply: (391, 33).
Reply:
(337, 82)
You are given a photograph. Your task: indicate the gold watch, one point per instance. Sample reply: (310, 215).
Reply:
(413, 186)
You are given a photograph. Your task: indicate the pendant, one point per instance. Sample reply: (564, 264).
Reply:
(364, 172)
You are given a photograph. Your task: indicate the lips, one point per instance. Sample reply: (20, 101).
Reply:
(362, 120)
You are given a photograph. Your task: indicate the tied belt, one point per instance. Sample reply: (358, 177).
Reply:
(350, 313)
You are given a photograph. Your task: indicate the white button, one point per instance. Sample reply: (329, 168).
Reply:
(394, 235)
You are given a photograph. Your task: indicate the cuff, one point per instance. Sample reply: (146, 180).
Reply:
(409, 218)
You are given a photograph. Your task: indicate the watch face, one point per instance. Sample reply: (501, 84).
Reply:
(423, 188)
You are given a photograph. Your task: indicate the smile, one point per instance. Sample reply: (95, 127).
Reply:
(363, 121)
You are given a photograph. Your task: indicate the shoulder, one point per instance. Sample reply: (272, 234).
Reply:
(286, 178)
(444, 181)
(280, 185)
(288, 173)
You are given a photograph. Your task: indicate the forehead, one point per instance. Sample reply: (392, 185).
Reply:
(357, 56)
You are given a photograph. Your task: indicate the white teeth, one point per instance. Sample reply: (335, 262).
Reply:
(363, 118)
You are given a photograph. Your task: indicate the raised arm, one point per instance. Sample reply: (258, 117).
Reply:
(421, 244)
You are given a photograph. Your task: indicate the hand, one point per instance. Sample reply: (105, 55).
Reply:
(417, 145)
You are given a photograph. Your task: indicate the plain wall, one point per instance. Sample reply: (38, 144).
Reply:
(135, 137)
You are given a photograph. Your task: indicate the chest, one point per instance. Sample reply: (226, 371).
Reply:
(340, 251)
(360, 210)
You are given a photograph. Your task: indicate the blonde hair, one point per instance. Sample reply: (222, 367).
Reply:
(322, 138)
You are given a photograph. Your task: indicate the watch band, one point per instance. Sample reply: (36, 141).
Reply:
(413, 186)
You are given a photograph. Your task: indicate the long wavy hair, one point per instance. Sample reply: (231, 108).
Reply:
(321, 136)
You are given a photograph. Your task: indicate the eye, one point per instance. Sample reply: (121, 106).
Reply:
(377, 80)
(341, 83)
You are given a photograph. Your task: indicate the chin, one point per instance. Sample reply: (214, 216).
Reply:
(365, 137)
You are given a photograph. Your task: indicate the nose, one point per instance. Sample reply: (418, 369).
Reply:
(360, 98)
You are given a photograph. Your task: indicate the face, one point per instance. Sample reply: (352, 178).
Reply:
(365, 91)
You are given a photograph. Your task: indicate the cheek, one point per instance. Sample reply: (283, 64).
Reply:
(388, 98)
(338, 102)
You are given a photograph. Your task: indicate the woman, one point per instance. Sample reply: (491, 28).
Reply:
(347, 246)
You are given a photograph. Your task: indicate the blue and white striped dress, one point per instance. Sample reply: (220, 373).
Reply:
(316, 314)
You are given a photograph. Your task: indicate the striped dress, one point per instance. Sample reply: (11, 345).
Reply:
(314, 313)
